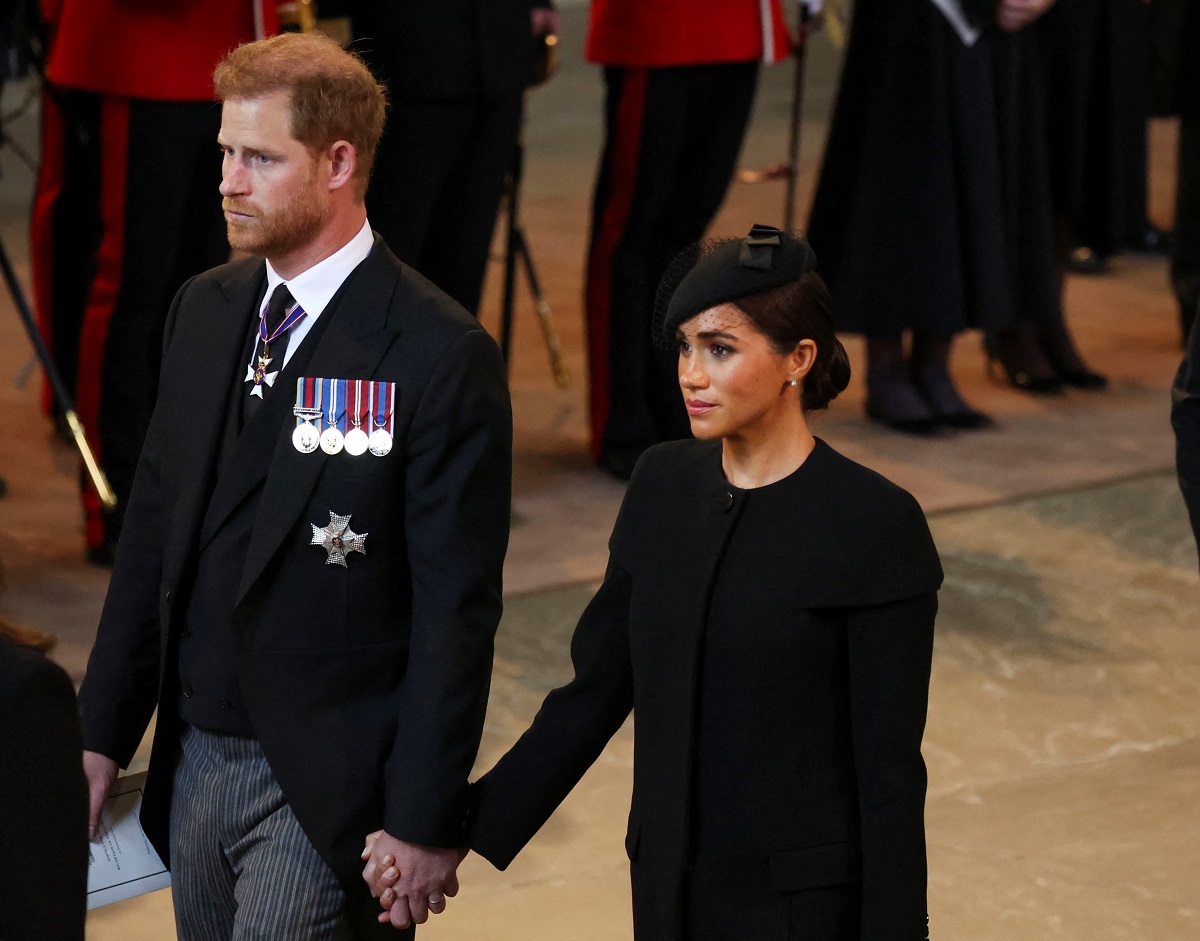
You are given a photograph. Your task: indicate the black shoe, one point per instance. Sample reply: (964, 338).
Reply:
(894, 402)
(1151, 241)
(1065, 360)
(1015, 358)
(947, 405)
(1084, 379)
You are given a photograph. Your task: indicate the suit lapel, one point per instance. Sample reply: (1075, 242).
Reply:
(351, 346)
(210, 367)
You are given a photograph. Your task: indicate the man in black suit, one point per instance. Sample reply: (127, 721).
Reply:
(314, 622)
(456, 72)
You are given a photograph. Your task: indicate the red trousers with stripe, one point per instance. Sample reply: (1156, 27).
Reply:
(672, 140)
(126, 209)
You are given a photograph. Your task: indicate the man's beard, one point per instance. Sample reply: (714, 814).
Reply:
(280, 232)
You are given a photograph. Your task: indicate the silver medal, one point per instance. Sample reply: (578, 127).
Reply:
(306, 437)
(331, 440)
(380, 442)
(356, 442)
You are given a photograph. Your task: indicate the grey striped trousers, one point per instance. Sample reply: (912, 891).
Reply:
(241, 867)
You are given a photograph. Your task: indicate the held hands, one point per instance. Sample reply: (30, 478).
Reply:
(410, 881)
(101, 774)
(1012, 15)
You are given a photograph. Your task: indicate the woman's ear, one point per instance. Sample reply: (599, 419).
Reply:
(802, 359)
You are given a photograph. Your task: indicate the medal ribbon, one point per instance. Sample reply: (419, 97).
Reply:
(383, 397)
(288, 322)
(337, 390)
(307, 399)
(356, 418)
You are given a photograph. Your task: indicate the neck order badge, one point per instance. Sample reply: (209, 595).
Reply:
(281, 315)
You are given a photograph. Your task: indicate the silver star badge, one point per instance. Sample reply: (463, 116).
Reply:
(338, 539)
(258, 375)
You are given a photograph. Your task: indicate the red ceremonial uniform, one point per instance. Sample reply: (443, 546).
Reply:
(681, 76)
(126, 206)
(685, 32)
(153, 49)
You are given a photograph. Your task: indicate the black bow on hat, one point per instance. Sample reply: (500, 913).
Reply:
(731, 269)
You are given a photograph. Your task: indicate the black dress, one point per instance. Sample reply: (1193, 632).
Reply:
(775, 646)
(1096, 63)
(932, 208)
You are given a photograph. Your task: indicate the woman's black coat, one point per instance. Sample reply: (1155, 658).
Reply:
(826, 838)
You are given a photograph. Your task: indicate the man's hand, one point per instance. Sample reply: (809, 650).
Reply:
(101, 774)
(410, 881)
(1012, 15)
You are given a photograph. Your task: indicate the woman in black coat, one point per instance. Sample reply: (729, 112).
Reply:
(768, 614)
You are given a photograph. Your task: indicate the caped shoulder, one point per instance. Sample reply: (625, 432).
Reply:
(827, 472)
(867, 536)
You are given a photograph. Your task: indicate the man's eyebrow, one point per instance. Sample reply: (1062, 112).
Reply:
(250, 151)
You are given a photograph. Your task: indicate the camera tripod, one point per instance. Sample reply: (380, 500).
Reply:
(61, 394)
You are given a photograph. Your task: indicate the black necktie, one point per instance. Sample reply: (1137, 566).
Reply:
(268, 355)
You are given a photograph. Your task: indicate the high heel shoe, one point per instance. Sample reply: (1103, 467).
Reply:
(1015, 358)
(1065, 360)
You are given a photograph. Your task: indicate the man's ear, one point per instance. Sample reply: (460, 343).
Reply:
(342, 163)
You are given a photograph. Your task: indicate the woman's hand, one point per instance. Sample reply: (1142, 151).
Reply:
(1012, 15)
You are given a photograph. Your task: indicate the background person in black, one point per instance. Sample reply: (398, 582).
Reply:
(1185, 420)
(43, 798)
(1096, 67)
(767, 614)
(456, 72)
(932, 214)
(1178, 92)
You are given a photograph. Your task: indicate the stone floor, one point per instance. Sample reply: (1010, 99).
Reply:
(1064, 738)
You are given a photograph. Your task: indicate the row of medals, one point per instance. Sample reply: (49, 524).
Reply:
(307, 439)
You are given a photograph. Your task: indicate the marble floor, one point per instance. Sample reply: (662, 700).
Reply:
(1064, 737)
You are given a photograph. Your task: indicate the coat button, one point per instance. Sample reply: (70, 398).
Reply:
(225, 704)
(168, 597)
(728, 502)
(187, 691)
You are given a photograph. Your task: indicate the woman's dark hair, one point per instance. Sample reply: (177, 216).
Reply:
(771, 276)
(803, 310)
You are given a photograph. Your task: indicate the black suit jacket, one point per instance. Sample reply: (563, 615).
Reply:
(366, 685)
(446, 48)
(43, 801)
(821, 743)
